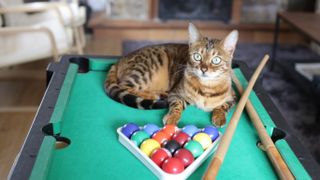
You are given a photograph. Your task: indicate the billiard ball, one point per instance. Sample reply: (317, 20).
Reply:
(181, 138)
(212, 132)
(170, 129)
(185, 155)
(139, 136)
(204, 139)
(148, 146)
(190, 130)
(173, 165)
(171, 145)
(161, 137)
(150, 128)
(159, 155)
(194, 147)
(129, 129)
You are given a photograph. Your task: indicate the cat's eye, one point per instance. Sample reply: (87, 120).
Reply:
(216, 60)
(197, 57)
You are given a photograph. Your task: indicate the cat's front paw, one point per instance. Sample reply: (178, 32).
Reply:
(219, 119)
(171, 118)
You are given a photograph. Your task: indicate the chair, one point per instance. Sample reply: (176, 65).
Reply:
(30, 32)
(75, 17)
(72, 15)
(38, 30)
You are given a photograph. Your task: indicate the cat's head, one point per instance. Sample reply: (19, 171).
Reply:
(210, 58)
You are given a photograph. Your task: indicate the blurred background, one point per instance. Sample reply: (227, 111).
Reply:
(35, 33)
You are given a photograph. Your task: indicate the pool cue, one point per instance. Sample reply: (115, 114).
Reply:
(278, 163)
(222, 149)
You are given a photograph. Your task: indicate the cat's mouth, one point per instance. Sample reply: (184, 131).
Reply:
(207, 75)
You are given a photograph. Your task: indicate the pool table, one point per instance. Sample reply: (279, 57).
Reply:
(73, 135)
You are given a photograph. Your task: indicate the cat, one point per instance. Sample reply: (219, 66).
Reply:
(176, 75)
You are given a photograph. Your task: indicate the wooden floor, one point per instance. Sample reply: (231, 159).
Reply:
(24, 92)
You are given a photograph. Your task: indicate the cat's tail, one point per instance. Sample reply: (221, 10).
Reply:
(122, 94)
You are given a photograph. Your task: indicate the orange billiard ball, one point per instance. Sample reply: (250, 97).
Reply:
(170, 129)
(161, 137)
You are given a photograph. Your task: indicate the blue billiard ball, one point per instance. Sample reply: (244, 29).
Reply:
(129, 129)
(211, 131)
(151, 129)
(191, 130)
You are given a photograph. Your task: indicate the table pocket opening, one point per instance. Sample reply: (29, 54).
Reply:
(276, 135)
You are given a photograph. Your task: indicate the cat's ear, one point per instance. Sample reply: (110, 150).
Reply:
(230, 41)
(194, 34)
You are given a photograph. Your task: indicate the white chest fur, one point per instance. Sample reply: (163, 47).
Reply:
(208, 104)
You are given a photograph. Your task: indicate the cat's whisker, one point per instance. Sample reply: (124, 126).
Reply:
(178, 71)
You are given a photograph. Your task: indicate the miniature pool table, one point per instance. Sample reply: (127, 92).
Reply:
(77, 116)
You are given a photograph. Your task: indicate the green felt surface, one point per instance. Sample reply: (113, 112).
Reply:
(89, 119)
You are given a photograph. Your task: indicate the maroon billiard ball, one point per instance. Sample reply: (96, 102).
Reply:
(159, 155)
(173, 165)
(185, 155)
(181, 138)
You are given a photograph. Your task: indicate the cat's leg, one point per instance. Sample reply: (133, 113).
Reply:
(162, 94)
(142, 91)
(145, 94)
(219, 114)
(176, 107)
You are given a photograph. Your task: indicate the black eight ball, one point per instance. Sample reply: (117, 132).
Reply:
(172, 146)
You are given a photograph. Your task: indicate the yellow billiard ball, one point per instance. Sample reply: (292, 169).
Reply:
(204, 139)
(148, 146)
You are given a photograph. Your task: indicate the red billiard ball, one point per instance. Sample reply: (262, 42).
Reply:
(159, 155)
(161, 137)
(173, 165)
(181, 138)
(185, 155)
(170, 129)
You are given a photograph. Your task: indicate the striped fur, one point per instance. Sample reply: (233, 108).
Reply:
(175, 75)
(143, 78)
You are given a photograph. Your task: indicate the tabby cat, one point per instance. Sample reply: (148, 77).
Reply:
(176, 75)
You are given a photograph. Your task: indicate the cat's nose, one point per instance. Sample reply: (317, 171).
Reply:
(204, 69)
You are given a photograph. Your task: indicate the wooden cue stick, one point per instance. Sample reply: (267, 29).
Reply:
(272, 152)
(222, 149)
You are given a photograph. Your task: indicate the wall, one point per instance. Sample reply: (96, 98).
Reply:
(262, 11)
